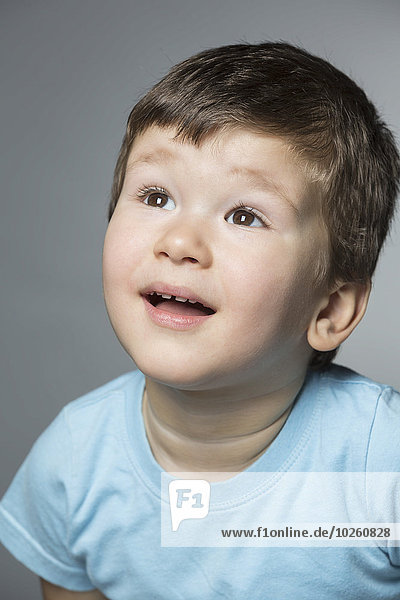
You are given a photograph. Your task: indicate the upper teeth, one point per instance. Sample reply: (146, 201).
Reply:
(178, 298)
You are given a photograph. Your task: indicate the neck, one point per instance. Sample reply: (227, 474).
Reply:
(213, 432)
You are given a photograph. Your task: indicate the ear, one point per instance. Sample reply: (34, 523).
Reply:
(337, 315)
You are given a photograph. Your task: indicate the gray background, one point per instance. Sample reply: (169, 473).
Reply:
(70, 72)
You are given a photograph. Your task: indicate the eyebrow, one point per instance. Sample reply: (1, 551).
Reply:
(263, 181)
(253, 176)
(158, 157)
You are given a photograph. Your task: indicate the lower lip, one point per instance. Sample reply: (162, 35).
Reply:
(172, 320)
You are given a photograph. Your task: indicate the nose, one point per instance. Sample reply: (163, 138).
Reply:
(184, 242)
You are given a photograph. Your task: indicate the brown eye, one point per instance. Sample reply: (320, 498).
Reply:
(242, 217)
(157, 199)
(246, 217)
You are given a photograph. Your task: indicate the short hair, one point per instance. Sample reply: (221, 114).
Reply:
(328, 121)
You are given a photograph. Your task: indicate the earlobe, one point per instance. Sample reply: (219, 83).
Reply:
(337, 315)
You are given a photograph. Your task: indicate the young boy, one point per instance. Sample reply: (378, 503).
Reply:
(252, 195)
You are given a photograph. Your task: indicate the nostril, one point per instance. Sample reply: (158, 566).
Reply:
(189, 258)
(174, 258)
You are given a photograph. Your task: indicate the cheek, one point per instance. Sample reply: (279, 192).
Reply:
(122, 257)
(123, 252)
(270, 289)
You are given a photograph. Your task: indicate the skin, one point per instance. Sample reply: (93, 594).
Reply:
(54, 592)
(217, 395)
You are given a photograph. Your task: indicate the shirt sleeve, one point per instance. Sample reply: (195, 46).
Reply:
(35, 511)
(383, 468)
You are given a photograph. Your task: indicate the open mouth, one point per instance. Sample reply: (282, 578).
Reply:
(178, 305)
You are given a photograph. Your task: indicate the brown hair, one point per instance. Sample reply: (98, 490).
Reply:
(327, 119)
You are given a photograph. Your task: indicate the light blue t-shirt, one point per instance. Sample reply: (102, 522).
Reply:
(84, 512)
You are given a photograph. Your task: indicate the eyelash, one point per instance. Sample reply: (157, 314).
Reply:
(150, 189)
(145, 191)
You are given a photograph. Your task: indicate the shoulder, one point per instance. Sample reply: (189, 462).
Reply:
(96, 407)
(95, 423)
(81, 426)
(354, 391)
(118, 386)
(74, 449)
(340, 377)
(368, 411)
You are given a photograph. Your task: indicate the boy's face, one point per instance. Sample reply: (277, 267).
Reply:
(233, 222)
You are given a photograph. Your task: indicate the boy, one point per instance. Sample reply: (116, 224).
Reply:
(252, 194)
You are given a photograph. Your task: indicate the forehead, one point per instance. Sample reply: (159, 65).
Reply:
(161, 145)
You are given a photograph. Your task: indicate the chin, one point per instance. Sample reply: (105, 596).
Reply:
(177, 375)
